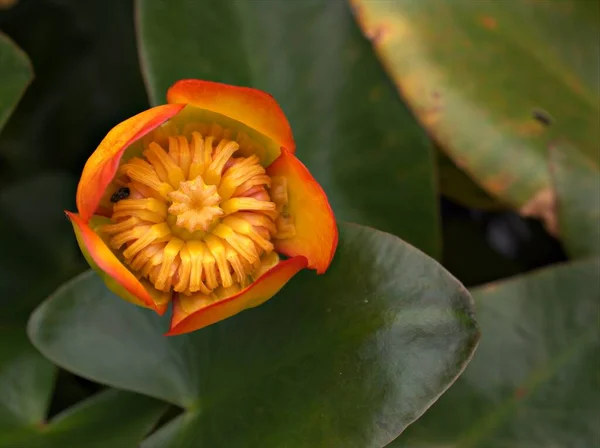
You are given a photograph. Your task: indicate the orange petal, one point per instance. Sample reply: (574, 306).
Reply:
(102, 165)
(316, 232)
(265, 287)
(116, 276)
(254, 108)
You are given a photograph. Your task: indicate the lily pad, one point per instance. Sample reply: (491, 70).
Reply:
(577, 182)
(16, 75)
(110, 418)
(534, 380)
(26, 382)
(26, 386)
(27, 379)
(359, 141)
(495, 82)
(458, 186)
(349, 358)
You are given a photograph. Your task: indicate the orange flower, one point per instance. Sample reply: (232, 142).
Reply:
(202, 203)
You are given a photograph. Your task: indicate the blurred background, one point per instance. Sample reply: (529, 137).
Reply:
(87, 78)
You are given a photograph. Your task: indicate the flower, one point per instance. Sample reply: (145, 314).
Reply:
(201, 203)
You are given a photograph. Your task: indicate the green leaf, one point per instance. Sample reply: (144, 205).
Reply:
(577, 183)
(534, 380)
(110, 418)
(349, 358)
(16, 75)
(476, 73)
(361, 143)
(457, 185)
(26, 377)
(26, 385)
(26, 381)
(39, 250)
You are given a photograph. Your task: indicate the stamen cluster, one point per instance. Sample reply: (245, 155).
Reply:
(197, 219)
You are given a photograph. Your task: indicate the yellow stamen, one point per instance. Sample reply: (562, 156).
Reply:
(257, 220)
(196, 250)
(185, 269)
(283, 221)
(236, 204)
(139, 170)
(244, 245)
(166, 273)
(197, 154)
(245, 228)
(147, 204)
(200, 216)
(246, 172)
(153, 262)
(217, 249)
(130, 235)
(210, 272)
(156, 233)
(233, 258)
(165, 166)
(147, 253)
(253, 182)
(185, 156)
(120, 226)
(222, 154)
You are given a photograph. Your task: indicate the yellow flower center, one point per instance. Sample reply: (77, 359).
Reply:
(197, 220)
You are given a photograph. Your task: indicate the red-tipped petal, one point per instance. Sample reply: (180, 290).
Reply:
(265, 287)
(116, 276)
(254, 108)
(316, 231)
(102, 165)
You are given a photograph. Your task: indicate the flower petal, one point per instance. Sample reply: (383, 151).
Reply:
(254, 108)
(102, 165)
(265, 287)
(116, 276)
(316, 233)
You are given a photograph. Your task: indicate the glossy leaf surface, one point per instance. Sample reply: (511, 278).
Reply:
(16, 74)
(577, 183)
(349, 358)
(533, 381)
(495, 82)
(26, 381)
(110, 418)
(32, 264)
(350, 128)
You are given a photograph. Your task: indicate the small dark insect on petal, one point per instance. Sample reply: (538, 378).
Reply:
(542, 116)
(121, 193)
